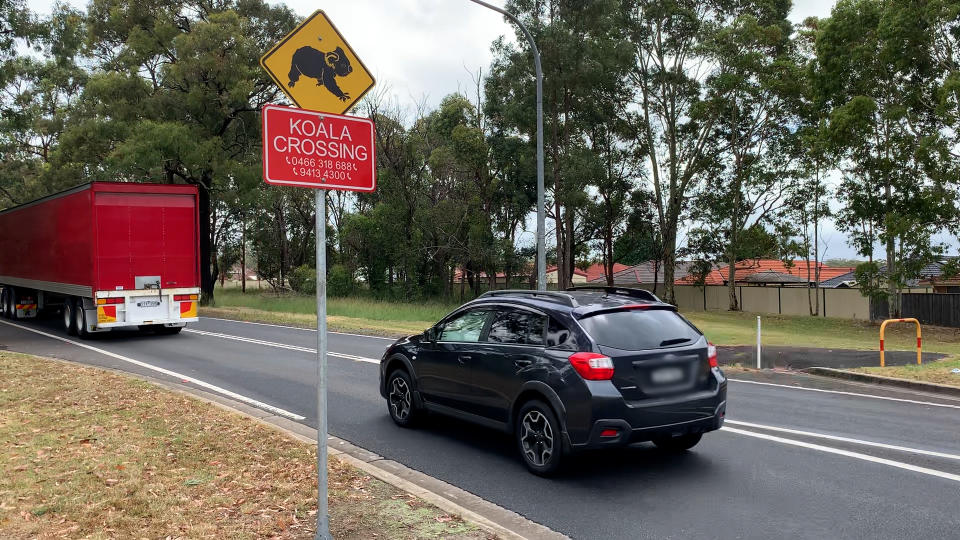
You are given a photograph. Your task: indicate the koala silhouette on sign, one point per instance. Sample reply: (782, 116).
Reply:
(324, 67)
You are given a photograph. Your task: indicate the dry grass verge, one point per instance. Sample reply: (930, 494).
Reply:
(93, 454)
(939, 372)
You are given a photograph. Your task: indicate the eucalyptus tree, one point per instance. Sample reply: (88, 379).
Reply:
(809, 204)
(674, 60)
(40, 79)
(754, 92)
(877, 78)
(175, 98)
(943, 50)
(586, 61)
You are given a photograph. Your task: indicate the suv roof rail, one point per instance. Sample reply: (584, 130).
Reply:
(550, 296)
(627, 291)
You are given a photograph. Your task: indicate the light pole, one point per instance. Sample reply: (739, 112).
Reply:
(541, 218)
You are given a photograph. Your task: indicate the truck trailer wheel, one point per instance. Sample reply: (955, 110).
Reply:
(68, 318)
(11, 303)
(80, 319)
(3, 302)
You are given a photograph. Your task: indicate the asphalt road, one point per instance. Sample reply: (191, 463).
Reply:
(823, 460)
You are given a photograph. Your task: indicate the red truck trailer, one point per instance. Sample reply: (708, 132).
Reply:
(107, 255)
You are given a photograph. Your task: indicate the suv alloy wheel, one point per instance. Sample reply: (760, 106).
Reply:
(539, 438)
(400, 399)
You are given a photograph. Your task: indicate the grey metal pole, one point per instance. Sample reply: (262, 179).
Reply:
(323, 516)
(541, 212)
(759, 364)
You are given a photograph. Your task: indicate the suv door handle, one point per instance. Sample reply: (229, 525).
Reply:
(464, 358)
(522, 361)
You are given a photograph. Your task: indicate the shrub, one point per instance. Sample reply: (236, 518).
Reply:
(340, 281)
(303, 280)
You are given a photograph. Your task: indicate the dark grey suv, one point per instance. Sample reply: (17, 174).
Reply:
(591, 367)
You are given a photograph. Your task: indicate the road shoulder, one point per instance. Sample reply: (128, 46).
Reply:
(484, 514)
(908, 384)
(819, 383)
(489, 517)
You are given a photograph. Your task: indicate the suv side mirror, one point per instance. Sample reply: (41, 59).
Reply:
(431, 334)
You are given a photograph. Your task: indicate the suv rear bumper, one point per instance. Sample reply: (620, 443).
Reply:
(635, 422)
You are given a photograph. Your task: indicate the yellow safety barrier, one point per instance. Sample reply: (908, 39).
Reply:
(919, 341)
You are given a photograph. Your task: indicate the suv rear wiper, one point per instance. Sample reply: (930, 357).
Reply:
(676, 341)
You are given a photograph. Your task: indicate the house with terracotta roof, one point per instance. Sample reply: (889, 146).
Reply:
(459, 276)
(595, 273)
(931, 275)
(579, 276)
(646, 273)
(771, 272)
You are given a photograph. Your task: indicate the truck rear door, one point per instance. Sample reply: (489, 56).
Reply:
(143, 238)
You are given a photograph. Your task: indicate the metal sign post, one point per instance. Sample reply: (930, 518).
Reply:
(317, 69)
(323, 515)
(321, 151)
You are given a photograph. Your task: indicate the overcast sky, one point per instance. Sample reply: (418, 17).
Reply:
(423, 50)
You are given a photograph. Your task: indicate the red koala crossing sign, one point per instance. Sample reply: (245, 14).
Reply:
(318, 150)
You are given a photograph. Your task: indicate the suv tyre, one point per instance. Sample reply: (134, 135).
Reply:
(539, 438)
(400, 402)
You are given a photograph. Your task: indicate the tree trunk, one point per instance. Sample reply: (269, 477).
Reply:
(568, 249)
(816, 253)
(206, 268)
(656, 272)
(282, 237)
(669, 264)
(243, 255)
(732, 282)
(561, 249)
(608, 255)
(893, 296)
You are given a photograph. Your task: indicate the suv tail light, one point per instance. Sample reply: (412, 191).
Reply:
(712, 355)
(592, 366)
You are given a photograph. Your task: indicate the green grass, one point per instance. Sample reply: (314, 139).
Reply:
(362, 315)
(362, 308)
(723, 328)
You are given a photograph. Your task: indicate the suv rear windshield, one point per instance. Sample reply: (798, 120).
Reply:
(638, 330)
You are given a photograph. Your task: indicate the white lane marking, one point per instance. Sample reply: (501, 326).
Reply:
(847, 453)
(298, 328)
(174, 374)
(849, 393)
(345, 356)
(844, 439)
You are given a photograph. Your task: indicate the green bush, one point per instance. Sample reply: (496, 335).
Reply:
(340, 281)
(303, 280)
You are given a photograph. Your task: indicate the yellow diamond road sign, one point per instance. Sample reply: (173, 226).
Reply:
(316, 67)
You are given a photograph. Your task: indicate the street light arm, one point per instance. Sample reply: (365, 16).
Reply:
(541, 225)
(526, 33)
